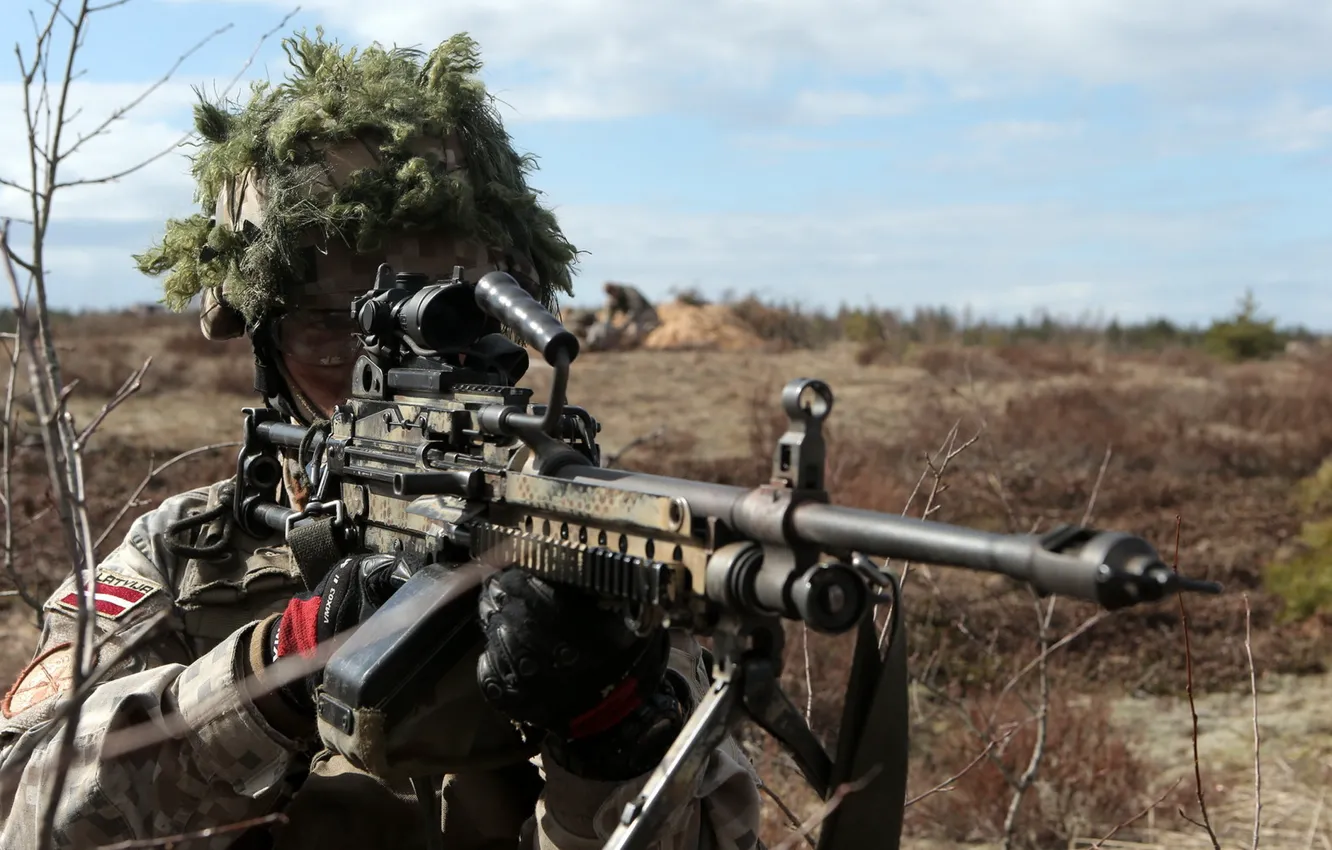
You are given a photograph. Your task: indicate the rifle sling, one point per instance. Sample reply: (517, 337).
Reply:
(873, 740)
(314, 546)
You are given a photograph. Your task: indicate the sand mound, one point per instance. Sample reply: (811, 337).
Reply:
(711, 327)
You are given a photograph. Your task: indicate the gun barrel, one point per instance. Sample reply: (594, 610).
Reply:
(1019, 556)
(841, 529)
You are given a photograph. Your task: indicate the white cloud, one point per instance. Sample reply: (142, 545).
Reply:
(617, 54)
(1293, 126)
(155, 125)
(1026, 131)
(1004, 258)
(829, 106)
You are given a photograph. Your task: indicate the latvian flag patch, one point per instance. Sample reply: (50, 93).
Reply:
(115, 595)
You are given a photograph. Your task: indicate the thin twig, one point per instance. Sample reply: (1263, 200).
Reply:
(948, 451)
(1206, 822)
(123, 110)
(947, 784)
(809, 677)
(829, 807)
(171, 841)
(132, 385)
(1082, 629)
(7, 475)
(1313, 822)
(791, 817)
(633, 444)
(148, 479)
(1257, 762)
(1139, 816)
(249, 60)
(1096, 488)
(1029, 775)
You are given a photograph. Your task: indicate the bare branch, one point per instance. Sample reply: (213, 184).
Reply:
(786, 810)
(948, 450)
(1096, 488)
(829, 807)
(1257, 762)
(1082, 629)
(1139, 816)
(152, 474)
(633, 444)
(947, 784)
(1206, 822)
(171, 841)
(121, 111)
(1028, 776)
(7, 476)
(132, 385)
(809, 676)
(249, 60)
(83, 644)
(111, 5)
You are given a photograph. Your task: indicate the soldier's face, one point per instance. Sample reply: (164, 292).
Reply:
(319, 349)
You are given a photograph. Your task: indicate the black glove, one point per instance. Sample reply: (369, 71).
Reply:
(557, 660)
(349, 592)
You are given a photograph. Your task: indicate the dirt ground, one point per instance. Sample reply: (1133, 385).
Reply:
(1215, 448)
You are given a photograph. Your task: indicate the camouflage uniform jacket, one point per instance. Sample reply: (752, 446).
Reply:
(169, 743)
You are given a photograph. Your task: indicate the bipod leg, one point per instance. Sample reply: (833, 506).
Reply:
(672, 783)
(769, 706)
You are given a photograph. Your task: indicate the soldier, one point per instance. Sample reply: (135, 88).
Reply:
(639, 318)
(357, 159)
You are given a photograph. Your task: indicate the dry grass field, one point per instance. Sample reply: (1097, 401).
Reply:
(1176, 439)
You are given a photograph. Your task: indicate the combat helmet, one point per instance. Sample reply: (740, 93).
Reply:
(355, 158)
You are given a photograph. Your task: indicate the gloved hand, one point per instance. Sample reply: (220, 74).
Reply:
(557, 660)
(352, 590)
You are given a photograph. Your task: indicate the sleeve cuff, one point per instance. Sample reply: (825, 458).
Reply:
(267, 699)
(230, 737)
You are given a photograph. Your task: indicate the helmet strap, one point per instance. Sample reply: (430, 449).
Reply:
(274, 383)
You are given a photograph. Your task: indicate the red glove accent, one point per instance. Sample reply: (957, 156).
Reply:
(298, 629)
(617, 705)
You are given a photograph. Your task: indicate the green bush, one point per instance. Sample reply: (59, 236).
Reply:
(863, 327)
(1244, 337)
(1303, 580)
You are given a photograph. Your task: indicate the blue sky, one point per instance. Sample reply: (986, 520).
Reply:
(1093, 157)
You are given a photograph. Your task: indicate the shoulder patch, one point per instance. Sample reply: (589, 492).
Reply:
(114, 595)
(45, 678)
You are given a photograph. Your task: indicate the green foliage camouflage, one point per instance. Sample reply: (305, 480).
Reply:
(386, 97)
(1303, 578)
(1244, 336)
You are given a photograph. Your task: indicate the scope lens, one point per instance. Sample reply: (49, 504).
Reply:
(442, 317)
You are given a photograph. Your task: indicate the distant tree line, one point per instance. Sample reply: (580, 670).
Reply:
(1243, 335)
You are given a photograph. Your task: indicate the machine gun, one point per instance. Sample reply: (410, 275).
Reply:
(439, 456)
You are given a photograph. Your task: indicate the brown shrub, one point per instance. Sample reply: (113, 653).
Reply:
(1089, 780)
(181, 360)
(960, 364)
(1038, 361)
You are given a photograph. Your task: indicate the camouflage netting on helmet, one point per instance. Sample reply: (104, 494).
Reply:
(389, 100)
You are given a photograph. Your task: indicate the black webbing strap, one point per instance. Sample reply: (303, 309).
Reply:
(872, 746)
(315, 548)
